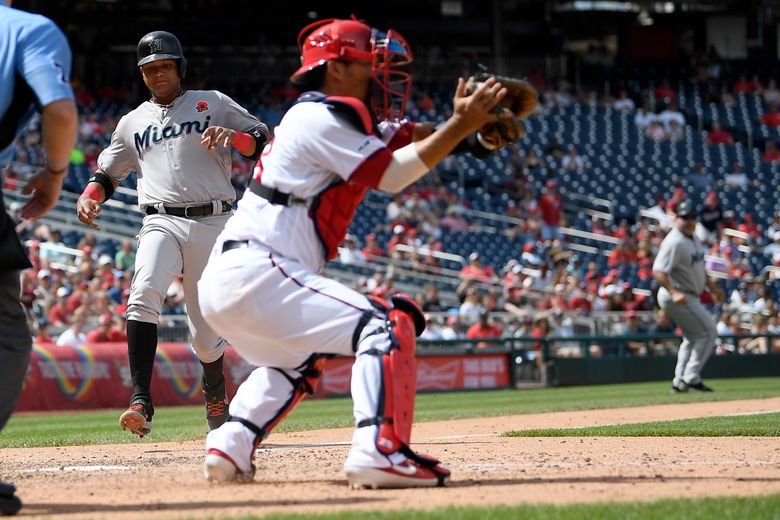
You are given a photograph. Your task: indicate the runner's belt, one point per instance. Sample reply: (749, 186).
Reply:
(201, 210)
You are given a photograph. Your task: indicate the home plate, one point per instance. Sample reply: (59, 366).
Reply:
(77, 468)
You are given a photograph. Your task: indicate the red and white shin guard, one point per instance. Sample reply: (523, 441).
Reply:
(393, 406)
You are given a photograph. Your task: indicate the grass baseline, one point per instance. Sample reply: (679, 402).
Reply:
(180, 424)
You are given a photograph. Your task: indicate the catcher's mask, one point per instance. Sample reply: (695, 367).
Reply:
(353, 40)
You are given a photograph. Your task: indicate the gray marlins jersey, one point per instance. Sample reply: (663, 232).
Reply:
(682, 259)
(162, 143)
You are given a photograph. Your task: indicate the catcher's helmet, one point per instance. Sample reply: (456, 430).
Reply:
(161, 45)
(353, 40)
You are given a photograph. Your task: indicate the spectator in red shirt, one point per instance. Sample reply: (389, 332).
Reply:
(593, 273)
(551, 205)
(678, 196)
(645, 271)
(771, 154)
(58, 313)
(750, 227)
(102, 333)
(622, 255)
(399, 237)
(372, 248)
(665, 92)
(772, 118)
(42, 332)
(78, 297)
(579, 301)
(119, 332)
(477, 271)
(623, 231)
(484, 328)
(718, 135)
(744, 85)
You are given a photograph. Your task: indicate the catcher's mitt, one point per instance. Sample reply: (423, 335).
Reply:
(520, 101)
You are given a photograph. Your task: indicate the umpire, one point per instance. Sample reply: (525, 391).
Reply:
(34, 73)
(679, 269)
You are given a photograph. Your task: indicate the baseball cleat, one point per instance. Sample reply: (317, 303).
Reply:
(405, 475)
(679, 389)
(137, 419)
(216, 405)
(218, 467)
(9, 502)
(699, 387)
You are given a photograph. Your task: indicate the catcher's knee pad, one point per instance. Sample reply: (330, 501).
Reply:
(394, 417)
(305, 384)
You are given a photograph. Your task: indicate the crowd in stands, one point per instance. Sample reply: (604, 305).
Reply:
(543, 290)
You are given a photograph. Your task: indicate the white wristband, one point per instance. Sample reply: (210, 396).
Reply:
(485, 143)
(404, 168)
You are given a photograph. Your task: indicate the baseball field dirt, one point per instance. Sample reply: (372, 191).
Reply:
(301, 472)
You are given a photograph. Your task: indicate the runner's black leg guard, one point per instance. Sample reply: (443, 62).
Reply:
(141, 348)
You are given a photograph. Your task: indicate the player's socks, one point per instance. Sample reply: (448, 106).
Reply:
(141, 348)
(212, 372)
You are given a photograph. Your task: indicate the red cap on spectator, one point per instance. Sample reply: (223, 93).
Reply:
(712, 196)
(106, 318)
(679, 192)
(631, 314)
(528, 246)
(550, 183)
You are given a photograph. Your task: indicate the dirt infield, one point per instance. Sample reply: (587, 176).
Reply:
(301, 472)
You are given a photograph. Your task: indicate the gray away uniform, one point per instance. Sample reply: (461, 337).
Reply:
(163, 144)
(682, 259)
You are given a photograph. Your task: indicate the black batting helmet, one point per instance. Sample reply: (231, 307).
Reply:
(686, 208)
(161, 45)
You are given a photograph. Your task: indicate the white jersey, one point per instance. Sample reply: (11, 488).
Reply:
(313, 147)
(162, 143)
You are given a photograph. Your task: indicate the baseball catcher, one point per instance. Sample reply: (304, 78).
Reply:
(263, 288)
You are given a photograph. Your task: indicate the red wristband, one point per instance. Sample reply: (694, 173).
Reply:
(242, 142)
(92, 191)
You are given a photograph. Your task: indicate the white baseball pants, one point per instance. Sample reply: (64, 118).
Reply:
(276, 314)
(699, 335)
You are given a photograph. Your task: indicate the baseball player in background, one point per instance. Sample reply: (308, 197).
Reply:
(179, 144)
(679, 269)
(35, 65)
(262, 289)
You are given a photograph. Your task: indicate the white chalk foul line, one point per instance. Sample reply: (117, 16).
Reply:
(447, 437)
(763, 412)
(77, 468)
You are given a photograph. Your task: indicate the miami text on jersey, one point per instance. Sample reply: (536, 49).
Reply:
(153, 134)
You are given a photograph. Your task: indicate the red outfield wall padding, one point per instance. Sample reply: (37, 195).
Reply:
(97, 376)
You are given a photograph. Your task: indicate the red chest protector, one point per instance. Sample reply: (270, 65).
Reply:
(333, 209)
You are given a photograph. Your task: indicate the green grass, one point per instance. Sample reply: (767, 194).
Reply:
(177, 424)
(729, 508)
(760, 425)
